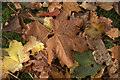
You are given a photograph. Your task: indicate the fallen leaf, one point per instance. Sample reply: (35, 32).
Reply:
(45, 4)
(33, 45)
(115, 51)
(100, 74)
(34, 5)
(87, 65)
(100, 53)
(89, 6)
(65, 39)
(71, 6)
(54, 5)
(47, 22)
(50, 14)
(36, 29)
(116, 7)
(16, 57)
(38, 65)
(113, 33)
(104, 4)
(13, 25)
(113, 69)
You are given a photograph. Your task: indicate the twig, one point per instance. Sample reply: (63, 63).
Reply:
(14, 76)
(11, 8)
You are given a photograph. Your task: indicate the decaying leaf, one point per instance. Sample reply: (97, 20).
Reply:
(100, 53)
(65, 39)
(33, 45)
(89, 6)
(16, 57)
(87, 65)
(113, 69)
(13, 25)
(97, 26)
(54, 5)
(71, 6)
(105, 5)
(116, 7)
(113, 33)
(50, 14)
(38, 65)
(36, 29)
(47, 22)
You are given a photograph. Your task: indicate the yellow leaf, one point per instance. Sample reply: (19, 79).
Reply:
(16, 57)
(33, 45)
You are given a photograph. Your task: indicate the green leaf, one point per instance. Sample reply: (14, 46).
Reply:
(87, 65)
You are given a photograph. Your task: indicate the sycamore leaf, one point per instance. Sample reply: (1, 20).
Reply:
(36, 29)
(16, 57)
(65, 39)
(87, 65)
(33, 45)
(71, 6)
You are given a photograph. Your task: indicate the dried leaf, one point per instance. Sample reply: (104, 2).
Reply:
(65, 39)
(100, 54)
(113, 33)
(104, 4)
(34, 5)
(71, 6)
(16, 57)
(89, 6)
(33, 45)
(36, 29)
(50, 14)
(116, 7)
(13, 25)
(115, 51)
(54, 5)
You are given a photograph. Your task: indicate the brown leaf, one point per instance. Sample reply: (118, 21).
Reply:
(105, 5)
(115, 51)
(54, 13)
(34, 5)
(13, 25)
(57, 74)
(113, 33)
(36, 29)
(54, 5)
(116, 7)
(71, 6)
(65, 39)
(89, 6)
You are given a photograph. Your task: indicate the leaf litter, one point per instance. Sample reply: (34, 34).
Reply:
(67, 33)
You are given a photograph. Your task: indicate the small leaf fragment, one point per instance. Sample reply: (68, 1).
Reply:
(33, 45)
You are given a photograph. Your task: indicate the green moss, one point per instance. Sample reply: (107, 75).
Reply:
(8, 36)
(110, 14)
